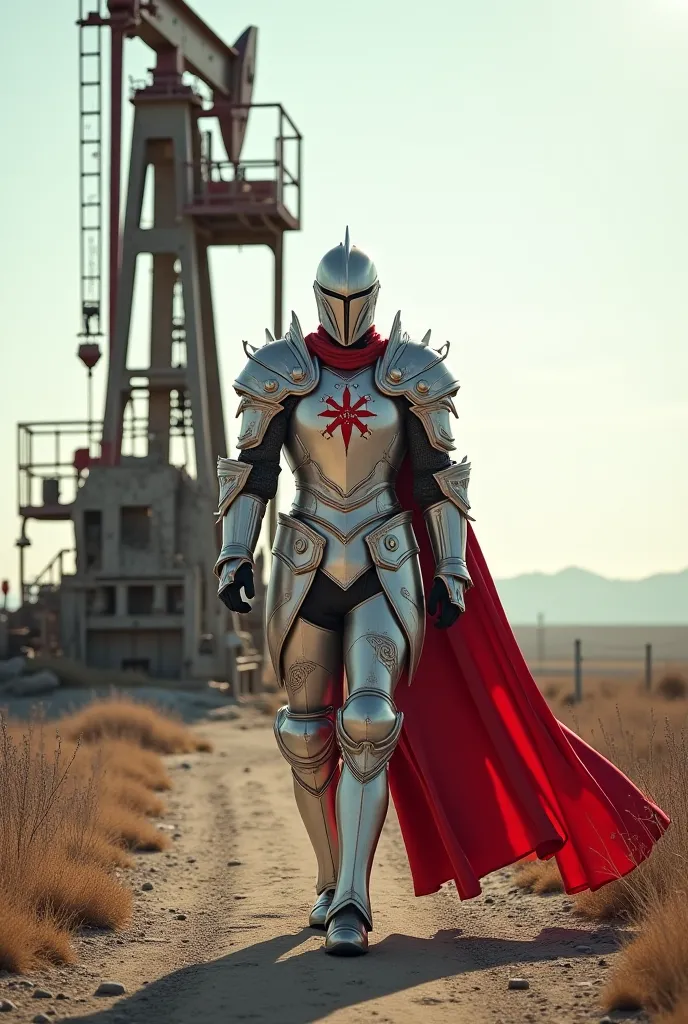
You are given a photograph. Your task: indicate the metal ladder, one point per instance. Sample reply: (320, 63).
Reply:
(90, 168)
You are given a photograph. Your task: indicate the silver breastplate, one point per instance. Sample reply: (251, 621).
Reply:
(345, 445)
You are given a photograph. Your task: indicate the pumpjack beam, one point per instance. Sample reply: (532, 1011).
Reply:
(172, 23)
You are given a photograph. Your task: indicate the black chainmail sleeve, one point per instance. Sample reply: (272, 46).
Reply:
(265, 457)
(425, 460)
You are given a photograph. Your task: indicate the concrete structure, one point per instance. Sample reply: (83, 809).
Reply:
(137, 598)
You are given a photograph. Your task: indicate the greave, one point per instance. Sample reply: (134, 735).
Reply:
(307, 741)
(311, 665)
(368, 728)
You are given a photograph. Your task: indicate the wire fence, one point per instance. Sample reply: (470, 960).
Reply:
(585, 655)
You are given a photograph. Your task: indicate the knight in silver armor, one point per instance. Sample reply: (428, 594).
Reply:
(345, 597)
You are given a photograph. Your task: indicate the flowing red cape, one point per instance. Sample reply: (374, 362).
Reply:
(484, 774)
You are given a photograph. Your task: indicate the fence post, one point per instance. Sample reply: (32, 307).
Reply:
(577, 671)
(540, 640)
(648, 667)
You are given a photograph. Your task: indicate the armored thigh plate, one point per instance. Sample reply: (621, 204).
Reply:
(394, 552)
(298, 551)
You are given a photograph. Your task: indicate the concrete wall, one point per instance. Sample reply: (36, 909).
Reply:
(173, 546)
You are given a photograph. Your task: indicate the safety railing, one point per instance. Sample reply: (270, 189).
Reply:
(261, 181)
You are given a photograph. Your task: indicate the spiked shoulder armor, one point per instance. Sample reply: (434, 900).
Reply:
(420, 374)
(273, 372)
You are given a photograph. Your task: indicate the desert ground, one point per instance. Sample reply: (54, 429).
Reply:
(219, 931)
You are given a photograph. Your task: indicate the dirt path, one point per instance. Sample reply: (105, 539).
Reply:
(221, 936)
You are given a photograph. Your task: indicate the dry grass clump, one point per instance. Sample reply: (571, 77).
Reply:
(646, 735)
(120, 718)
(539, 877)
(652, 971)
(72, 802)
(673, 687)
(125, 759)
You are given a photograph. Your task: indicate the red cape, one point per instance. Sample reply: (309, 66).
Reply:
(484, 774)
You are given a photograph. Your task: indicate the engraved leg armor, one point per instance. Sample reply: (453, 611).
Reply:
(305, 731)
(368, 728)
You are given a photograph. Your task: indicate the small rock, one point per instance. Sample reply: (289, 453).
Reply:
(40, 1018)
(518, 984)
(147, 886)
(247, 769)
(489, 900)
(233, 863)
(25, 983)
(190, 860)
(110, 988)
(6, 1005)
(602, 962)
(41, 993)
(61, 995)
(186, 765)
(180, 917)
(43, 681)
(627, 1004)
(240, 897)
(11, 667)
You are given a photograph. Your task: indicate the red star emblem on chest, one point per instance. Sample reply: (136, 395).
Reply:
(347, 416)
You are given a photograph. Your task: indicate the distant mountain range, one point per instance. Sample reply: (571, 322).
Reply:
(577, 597)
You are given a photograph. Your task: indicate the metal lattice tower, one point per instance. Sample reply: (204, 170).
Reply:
(141, 490)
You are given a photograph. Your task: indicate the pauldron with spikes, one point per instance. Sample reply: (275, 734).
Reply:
(412, 369)
(278, 369)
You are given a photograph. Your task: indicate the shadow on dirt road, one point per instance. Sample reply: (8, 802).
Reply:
(276, 981)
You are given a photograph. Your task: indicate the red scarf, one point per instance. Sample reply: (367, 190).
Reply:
(331, 353)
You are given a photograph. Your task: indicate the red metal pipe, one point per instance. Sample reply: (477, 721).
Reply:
(116, 61)
(110, 453)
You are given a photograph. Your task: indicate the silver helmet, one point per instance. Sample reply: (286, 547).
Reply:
(346, 288)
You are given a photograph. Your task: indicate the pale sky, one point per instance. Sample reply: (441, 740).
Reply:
(518, 172)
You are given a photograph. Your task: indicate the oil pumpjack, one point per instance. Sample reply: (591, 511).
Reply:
(140, 489)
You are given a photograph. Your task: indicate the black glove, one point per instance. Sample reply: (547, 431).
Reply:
(231, 594)
(438, 602)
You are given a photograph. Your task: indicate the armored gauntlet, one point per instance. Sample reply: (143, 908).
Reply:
(241, 516)
(447, 524)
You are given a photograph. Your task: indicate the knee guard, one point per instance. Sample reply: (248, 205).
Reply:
(307, 741)
(368, 729)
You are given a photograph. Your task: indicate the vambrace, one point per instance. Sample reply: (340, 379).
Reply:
(447, 525)
(241, 516)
